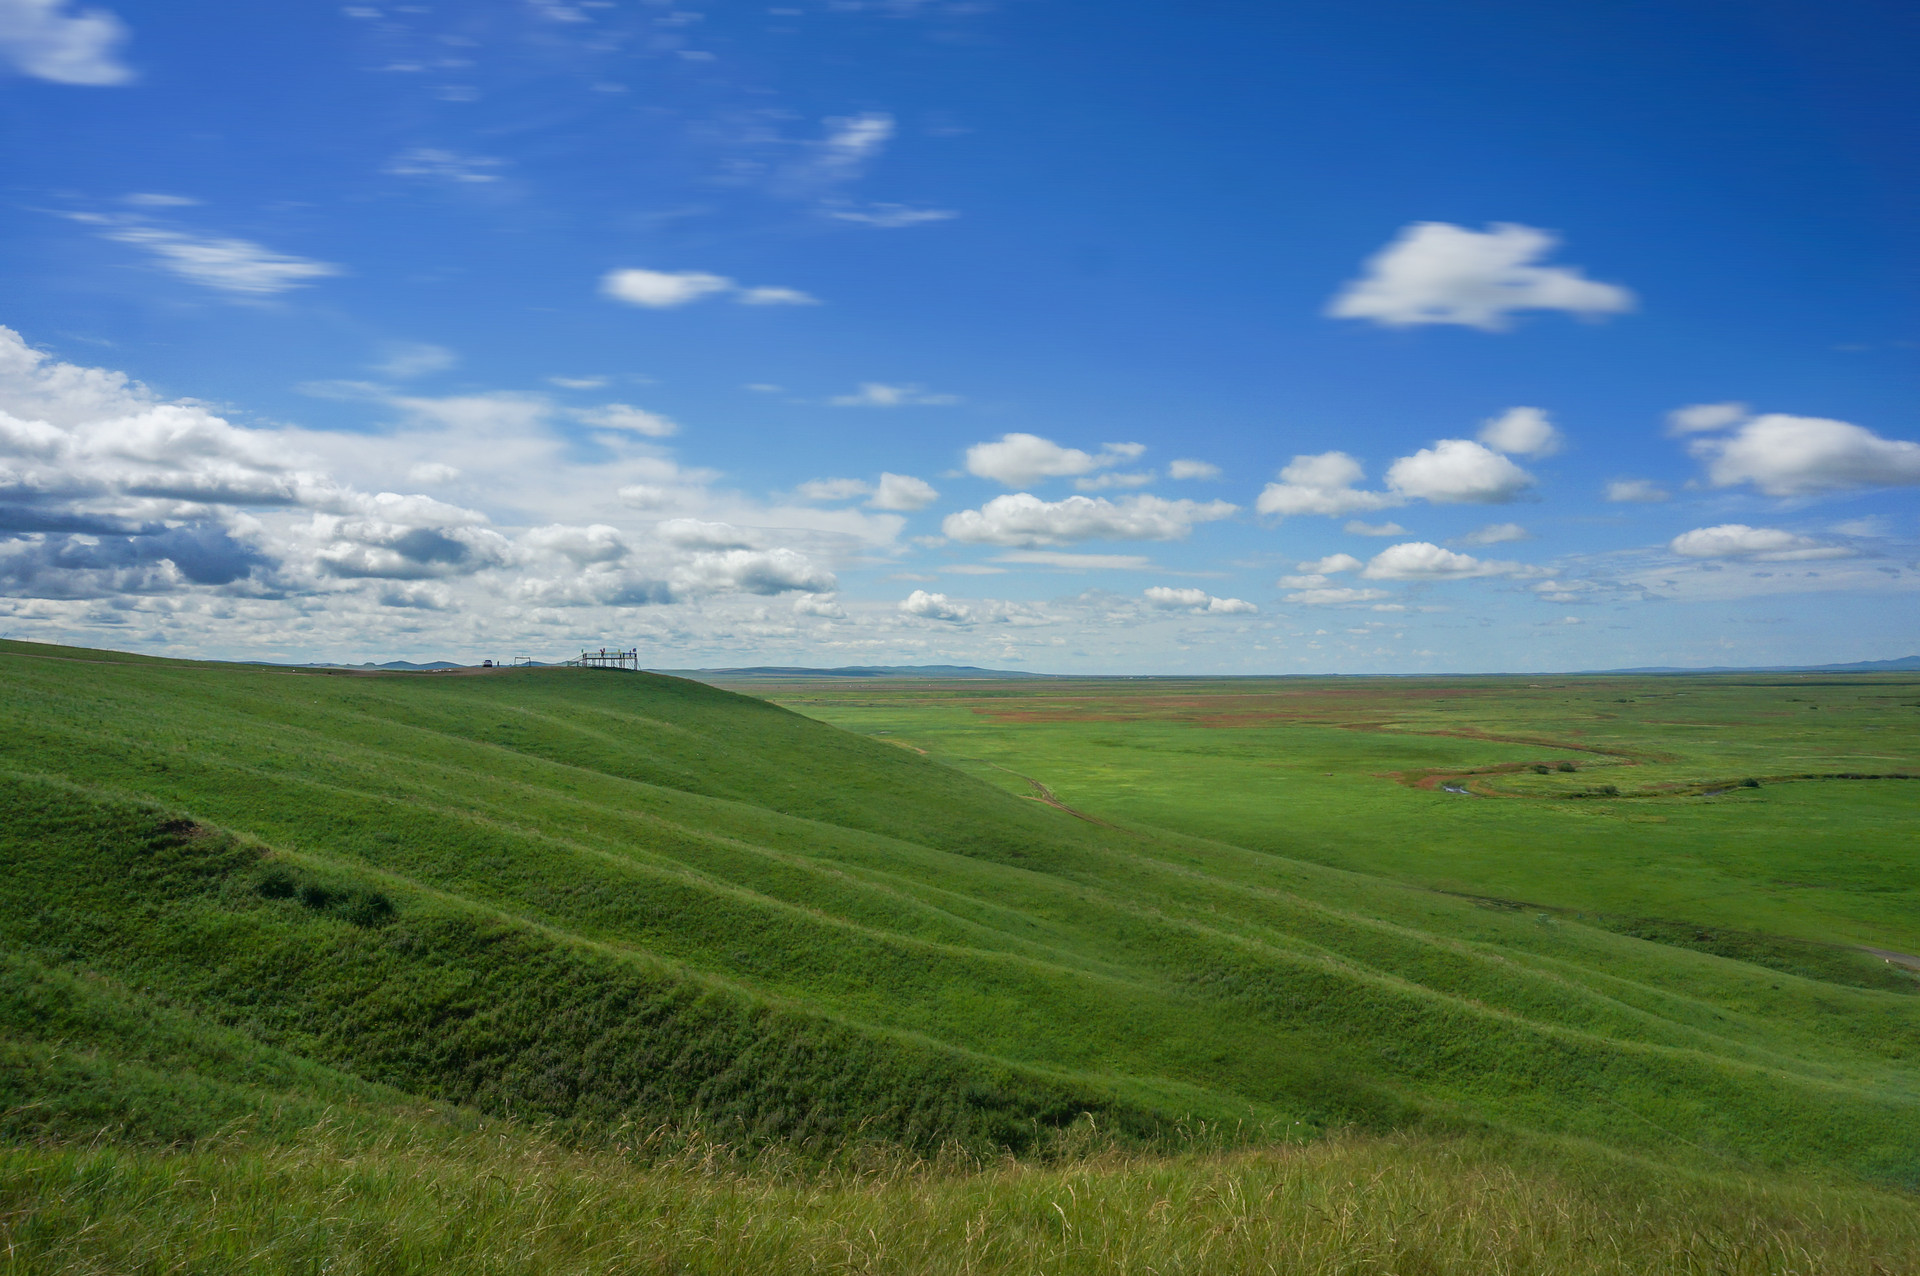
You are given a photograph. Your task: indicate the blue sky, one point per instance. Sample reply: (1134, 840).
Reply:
(1380, 337)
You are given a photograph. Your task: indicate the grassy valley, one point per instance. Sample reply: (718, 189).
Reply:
(569, 970)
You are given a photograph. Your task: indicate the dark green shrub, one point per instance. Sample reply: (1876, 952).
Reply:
(1563, 766)
(1539, 769)
(277, 884)
(365, 907)
(1608, 790)
(315, 896)
(1749, 783)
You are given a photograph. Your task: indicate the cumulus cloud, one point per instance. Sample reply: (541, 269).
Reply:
(1496, 534)
(878, 394)
(1438, 273)
(52, 40)
(1423, 560)
(902, 492)
(1700, 417)
(1355, 527)
(1761, 544)
(666, 290)
(1024, 520)
(751, 571)
(1167, 598)
(1637, 491)
(107, 492)
(935, 607)
(393, 537)
(1322, 484)
(1785, 455)
(624, 416)
(1332, 563)
(1193, 470)
(1522, 432)
(1458, 471)
(1018, 460)
(1335, 597)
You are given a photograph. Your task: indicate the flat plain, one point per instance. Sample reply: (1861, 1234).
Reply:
(568, 970)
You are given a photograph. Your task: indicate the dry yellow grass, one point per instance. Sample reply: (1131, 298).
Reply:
(499, 1203)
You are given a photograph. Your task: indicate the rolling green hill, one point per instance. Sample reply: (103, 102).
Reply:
(592, 904)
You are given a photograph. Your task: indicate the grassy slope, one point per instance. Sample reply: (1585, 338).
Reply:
(795, 931)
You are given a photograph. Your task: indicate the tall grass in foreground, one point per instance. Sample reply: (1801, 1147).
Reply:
(1397, 1206)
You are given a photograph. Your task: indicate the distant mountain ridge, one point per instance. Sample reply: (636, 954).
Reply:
(1905, 664)
(856, 671)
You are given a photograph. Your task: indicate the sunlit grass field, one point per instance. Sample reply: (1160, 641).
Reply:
(568, 970)
(1354, 773)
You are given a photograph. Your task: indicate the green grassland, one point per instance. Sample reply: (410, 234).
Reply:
(340, 971)
(1352, 773)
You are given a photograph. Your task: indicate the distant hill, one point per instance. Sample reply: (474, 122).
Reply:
(407, 666)
(851, 671)
(1902, 665)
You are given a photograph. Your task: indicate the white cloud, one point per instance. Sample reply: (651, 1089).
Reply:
(879, 394)
(661, 289)
(237, 266)
(410, 359)
(751, 571)
(1168, 599)
(432, 472)
(1456, 471)
(1321, 484)
(1022, 519)
(1802, 455)
(935, 607)
(1496, 534)
(624, 416)
(772, 296)
(1335, 597)
(840, 489)
(851, 141)
(435, 164)
(902, 492)
(823, 606)
(1193, 470)
(49, 40)
(1701, 417)
(1637, 491)
(1761, 544)
(1438, 273)
(891, 216)
(1523, 432)
(1076, 562)
(1018, 460)
(1355, 527)
(578, 383)
(1423, 560)
(1332, 563)
(154, 199)
(1114, 479)
(111, 493)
